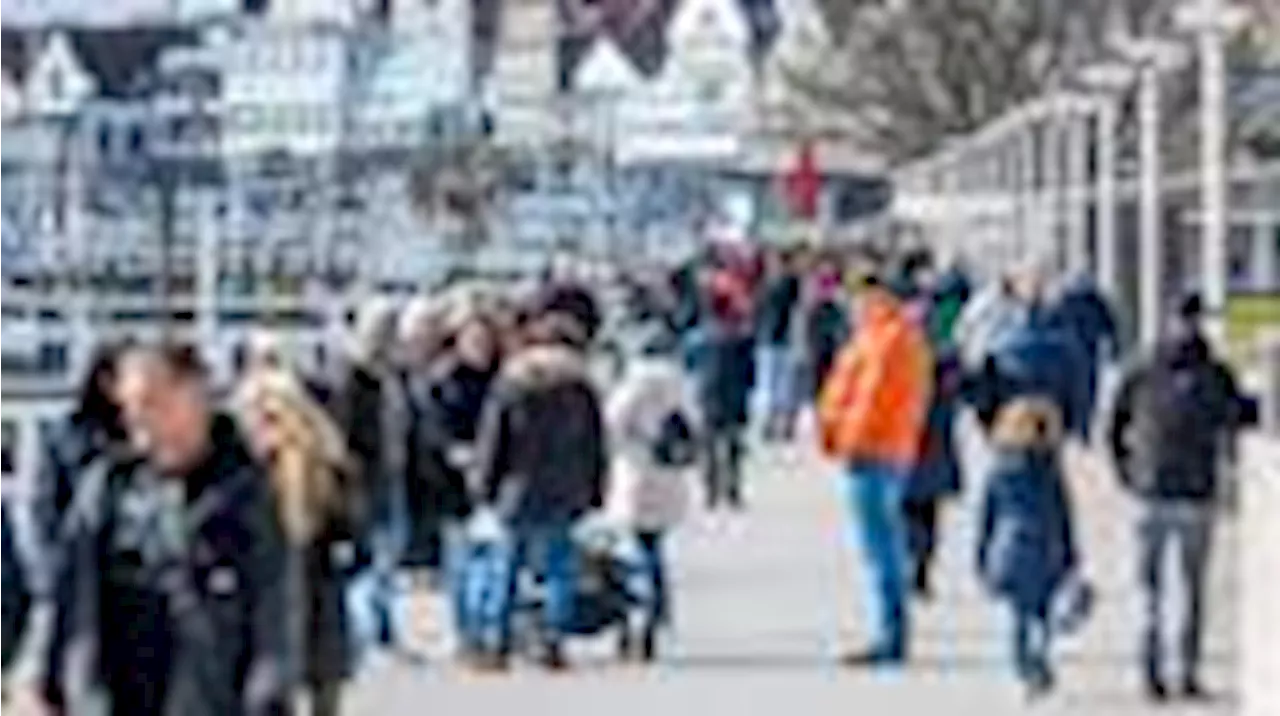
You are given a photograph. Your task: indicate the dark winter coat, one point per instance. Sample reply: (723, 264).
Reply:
(1037, 358)
(1082, 311)
(1165, 452)
(71, 448)
(541, 457)
(157, 626)
(776, 308)
(722, 366)
(828, 330)
(1026, 544)
(376, 437)
(937, 475)
(447, 413)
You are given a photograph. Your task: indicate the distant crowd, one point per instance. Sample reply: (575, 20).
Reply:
(192, 555)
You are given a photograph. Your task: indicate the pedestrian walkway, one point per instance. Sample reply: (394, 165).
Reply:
(765, 602)
(1260, 563)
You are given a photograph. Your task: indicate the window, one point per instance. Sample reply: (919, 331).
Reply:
(104, 139)
(56, 84)
(135, 139)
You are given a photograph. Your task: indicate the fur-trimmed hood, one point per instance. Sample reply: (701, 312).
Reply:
(541, 367)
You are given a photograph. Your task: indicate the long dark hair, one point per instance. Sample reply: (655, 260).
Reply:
(95, 407)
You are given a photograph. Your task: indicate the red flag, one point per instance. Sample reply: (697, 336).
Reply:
(803, 183)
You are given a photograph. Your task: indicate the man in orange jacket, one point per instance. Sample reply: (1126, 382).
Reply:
(872, 414)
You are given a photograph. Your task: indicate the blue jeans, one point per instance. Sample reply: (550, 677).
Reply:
(550, 552)
(658, 609)
(1186, 527)
(776, 368)
(377, 595)
(465, 562)
(875, 497)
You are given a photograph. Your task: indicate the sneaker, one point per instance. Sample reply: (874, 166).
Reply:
(1194, 690)
(649, 647)
(873, 658)
(491, 663)
(1157, 692)
(553, 659)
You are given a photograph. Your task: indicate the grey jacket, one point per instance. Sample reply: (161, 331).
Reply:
(223, 584)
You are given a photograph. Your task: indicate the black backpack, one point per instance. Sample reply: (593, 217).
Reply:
(675, 444)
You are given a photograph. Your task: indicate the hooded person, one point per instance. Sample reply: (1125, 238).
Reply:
(872, 415)
(654, 430)
(1026, 545)
(540, 465)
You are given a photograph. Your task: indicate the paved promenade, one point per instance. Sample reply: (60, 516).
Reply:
(765, 601)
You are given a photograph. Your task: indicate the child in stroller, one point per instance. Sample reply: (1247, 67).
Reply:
(612, 594)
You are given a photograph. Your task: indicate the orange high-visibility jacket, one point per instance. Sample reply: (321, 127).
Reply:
(875, 403)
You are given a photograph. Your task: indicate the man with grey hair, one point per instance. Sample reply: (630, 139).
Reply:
(372, 407)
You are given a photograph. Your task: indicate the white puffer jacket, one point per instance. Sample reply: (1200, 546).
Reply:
(643, 495)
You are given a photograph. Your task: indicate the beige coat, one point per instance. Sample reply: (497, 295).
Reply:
(643, 495)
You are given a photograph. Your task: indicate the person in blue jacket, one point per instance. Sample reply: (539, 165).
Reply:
(1036, 356)
(1026, 548)
(1082, 310)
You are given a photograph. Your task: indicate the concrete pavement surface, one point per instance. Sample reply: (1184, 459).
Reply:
(766, 600)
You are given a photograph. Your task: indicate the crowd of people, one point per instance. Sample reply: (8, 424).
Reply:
(249, 554)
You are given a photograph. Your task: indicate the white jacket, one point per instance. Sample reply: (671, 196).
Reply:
(643, 495)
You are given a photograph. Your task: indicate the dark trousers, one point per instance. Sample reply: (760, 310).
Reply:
(657, 612)
(922, 537)
(323, 700)
(1031, 641)
(724, 451)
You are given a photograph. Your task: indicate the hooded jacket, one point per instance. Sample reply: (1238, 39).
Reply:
(1026, 543)
(874, 405)
(643, 494)
(541, 456)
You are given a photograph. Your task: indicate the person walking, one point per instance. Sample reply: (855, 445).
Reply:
(1175, 411)
(1035, 355)
(1081, 309)
(173, 579)
(775, 353)
(373, 412)
(1026, 546)
(318, 505)
(540, 464)
(448, 423)
(828, 325)
(936, 477)
(718, 354)
(654, 432)
(872, 416)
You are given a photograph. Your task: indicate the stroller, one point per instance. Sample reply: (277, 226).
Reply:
(611, 594)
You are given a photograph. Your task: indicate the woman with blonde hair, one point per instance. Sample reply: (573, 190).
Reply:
(1027, 551)
(311, 475)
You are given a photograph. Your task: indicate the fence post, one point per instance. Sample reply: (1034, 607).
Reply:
(1270, 398)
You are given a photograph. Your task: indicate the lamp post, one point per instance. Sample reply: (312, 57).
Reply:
(1210, 21)
(1152, 57)
(1108, 79)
